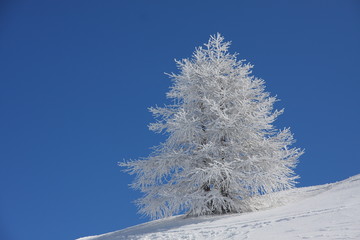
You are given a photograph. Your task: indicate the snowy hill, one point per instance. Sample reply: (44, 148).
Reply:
(330, 211)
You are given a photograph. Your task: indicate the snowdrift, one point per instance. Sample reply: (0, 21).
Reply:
(330, 211)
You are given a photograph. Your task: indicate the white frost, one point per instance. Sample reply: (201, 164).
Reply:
(222, 147)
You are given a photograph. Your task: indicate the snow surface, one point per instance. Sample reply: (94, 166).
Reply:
(330, 211)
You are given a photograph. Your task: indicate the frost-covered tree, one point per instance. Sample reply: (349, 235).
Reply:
(222, 148)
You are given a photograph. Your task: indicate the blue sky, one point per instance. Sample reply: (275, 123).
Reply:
(77, 77)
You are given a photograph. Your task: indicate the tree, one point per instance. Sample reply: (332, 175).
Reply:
(222, 149)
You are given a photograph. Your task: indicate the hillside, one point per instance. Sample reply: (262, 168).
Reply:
(330, 211)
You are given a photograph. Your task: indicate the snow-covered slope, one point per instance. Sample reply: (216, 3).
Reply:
(330, 211)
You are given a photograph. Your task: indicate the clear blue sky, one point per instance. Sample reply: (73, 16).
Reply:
(77, 77)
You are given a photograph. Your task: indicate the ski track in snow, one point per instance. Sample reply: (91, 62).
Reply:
(330, 211)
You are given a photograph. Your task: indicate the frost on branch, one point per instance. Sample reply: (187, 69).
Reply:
(222, 149)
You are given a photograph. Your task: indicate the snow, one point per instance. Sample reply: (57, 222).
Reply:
(330, 211)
